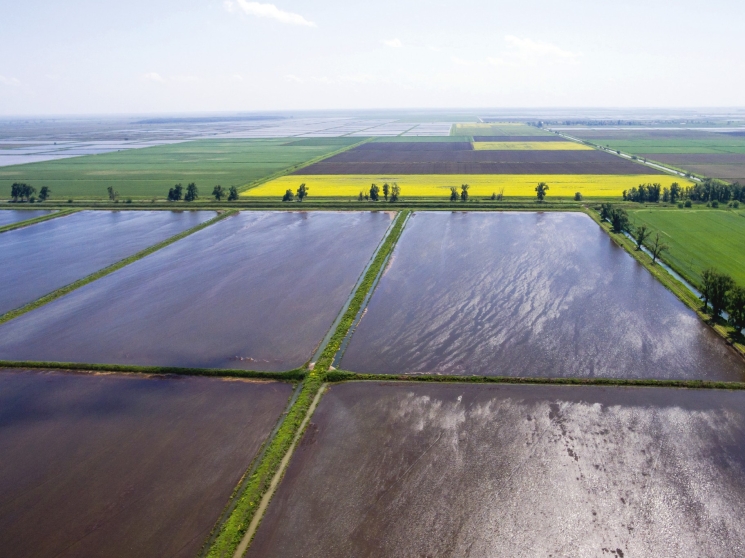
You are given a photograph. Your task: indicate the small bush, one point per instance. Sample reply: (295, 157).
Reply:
(680, 205)
(578, 196)
(736, 204)
(129, 200)
(688, 203)
(69, 201)
(715, 204)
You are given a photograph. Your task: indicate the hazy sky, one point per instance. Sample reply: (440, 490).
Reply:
(144, 56)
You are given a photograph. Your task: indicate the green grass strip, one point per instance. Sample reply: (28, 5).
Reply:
(232, 531)
(291, 375)
(29, 222)
(327, 357)
(344, 376)
(54, 295)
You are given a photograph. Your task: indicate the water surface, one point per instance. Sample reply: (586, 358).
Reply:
(528, 294)
(10, 216)
(257, 290)
(513, 471)
(39, 259)
(120, 465)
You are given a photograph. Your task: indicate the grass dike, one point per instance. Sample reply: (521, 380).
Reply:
(236, 532)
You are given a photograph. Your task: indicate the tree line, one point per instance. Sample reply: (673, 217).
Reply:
(299, 195)
(20, 191)
(706, 191)
(718, 290)
(177, 193)
(391, 193)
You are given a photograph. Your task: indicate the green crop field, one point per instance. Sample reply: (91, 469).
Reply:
(699, 239)
(712, 146)
(150, 172)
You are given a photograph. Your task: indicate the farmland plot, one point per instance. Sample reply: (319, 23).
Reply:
(257, 291)
(513, 471)
(120, 466)
(10, 216)
(41, 258)
(528, 294)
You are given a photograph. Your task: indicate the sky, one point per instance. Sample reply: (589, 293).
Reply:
(82, 57)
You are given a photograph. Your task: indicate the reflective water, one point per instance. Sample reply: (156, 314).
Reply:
(9, 216)
(528, 294)
(513, 471)
(39, 259)
(123, 465)
(256, 291)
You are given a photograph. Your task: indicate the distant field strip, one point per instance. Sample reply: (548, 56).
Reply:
(497, 129)
(530, 146)
(699, 239)
(434, 185)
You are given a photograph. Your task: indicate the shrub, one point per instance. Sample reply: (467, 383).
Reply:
(578, 196)
(688, 203)
(715, 204)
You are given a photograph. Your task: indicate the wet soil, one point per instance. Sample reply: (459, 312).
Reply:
(120, 466)
(513, 471)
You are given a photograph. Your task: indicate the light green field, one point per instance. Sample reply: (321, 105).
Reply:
(150, 172)
(497, 129)
(711, 146)
(699, 238)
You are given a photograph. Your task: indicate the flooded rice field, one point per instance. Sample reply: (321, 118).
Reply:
(120, 466)
(41, 258)
(513, 471)
(10, 216)
(528, 294)
(257, 290)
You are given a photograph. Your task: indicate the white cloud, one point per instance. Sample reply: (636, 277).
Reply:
(522, 51)
(153, 76)
(269, 11)
(15, 82)
(293, 79)
(393, 43)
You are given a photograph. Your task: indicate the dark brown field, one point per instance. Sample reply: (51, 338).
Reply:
(727, 166)
(641, 134)
(460, 158)
(122, 466)
(513, 471)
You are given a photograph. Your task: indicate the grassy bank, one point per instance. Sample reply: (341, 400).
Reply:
(54, 295)
(29, 222)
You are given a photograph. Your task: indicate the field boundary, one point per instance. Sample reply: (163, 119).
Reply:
(41, 219)
(298, 166)
(54, 295)
(245, 516)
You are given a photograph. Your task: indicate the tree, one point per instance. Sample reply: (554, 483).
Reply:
(541, 190)
(619, 220)
(736, 308)
(218, 191)
(386, 191)
(362, 197)
(708, 276)
(605, 211)
(578, 196)
(302, 192)
(15, 191)
(374, 192)
(464, 192)
(22, 190)
(657, 248)
(714, 289)
(640, 235)
(453, 194)
(113, 194)
(233, 194)
(44, 193)
(192, 192)
(289, 196)
(176, 193)
(395, 192)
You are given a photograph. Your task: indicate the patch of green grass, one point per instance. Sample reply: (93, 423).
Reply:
(150, 172)
(698, 239)
(642, 146)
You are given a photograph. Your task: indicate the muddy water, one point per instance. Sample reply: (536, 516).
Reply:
(44, 257)
(10, 216)
(528, 294)
(514, 471)
(257, 291)
(123, 466)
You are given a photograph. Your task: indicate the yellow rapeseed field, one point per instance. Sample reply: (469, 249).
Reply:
(437, 185)
(529, 146)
